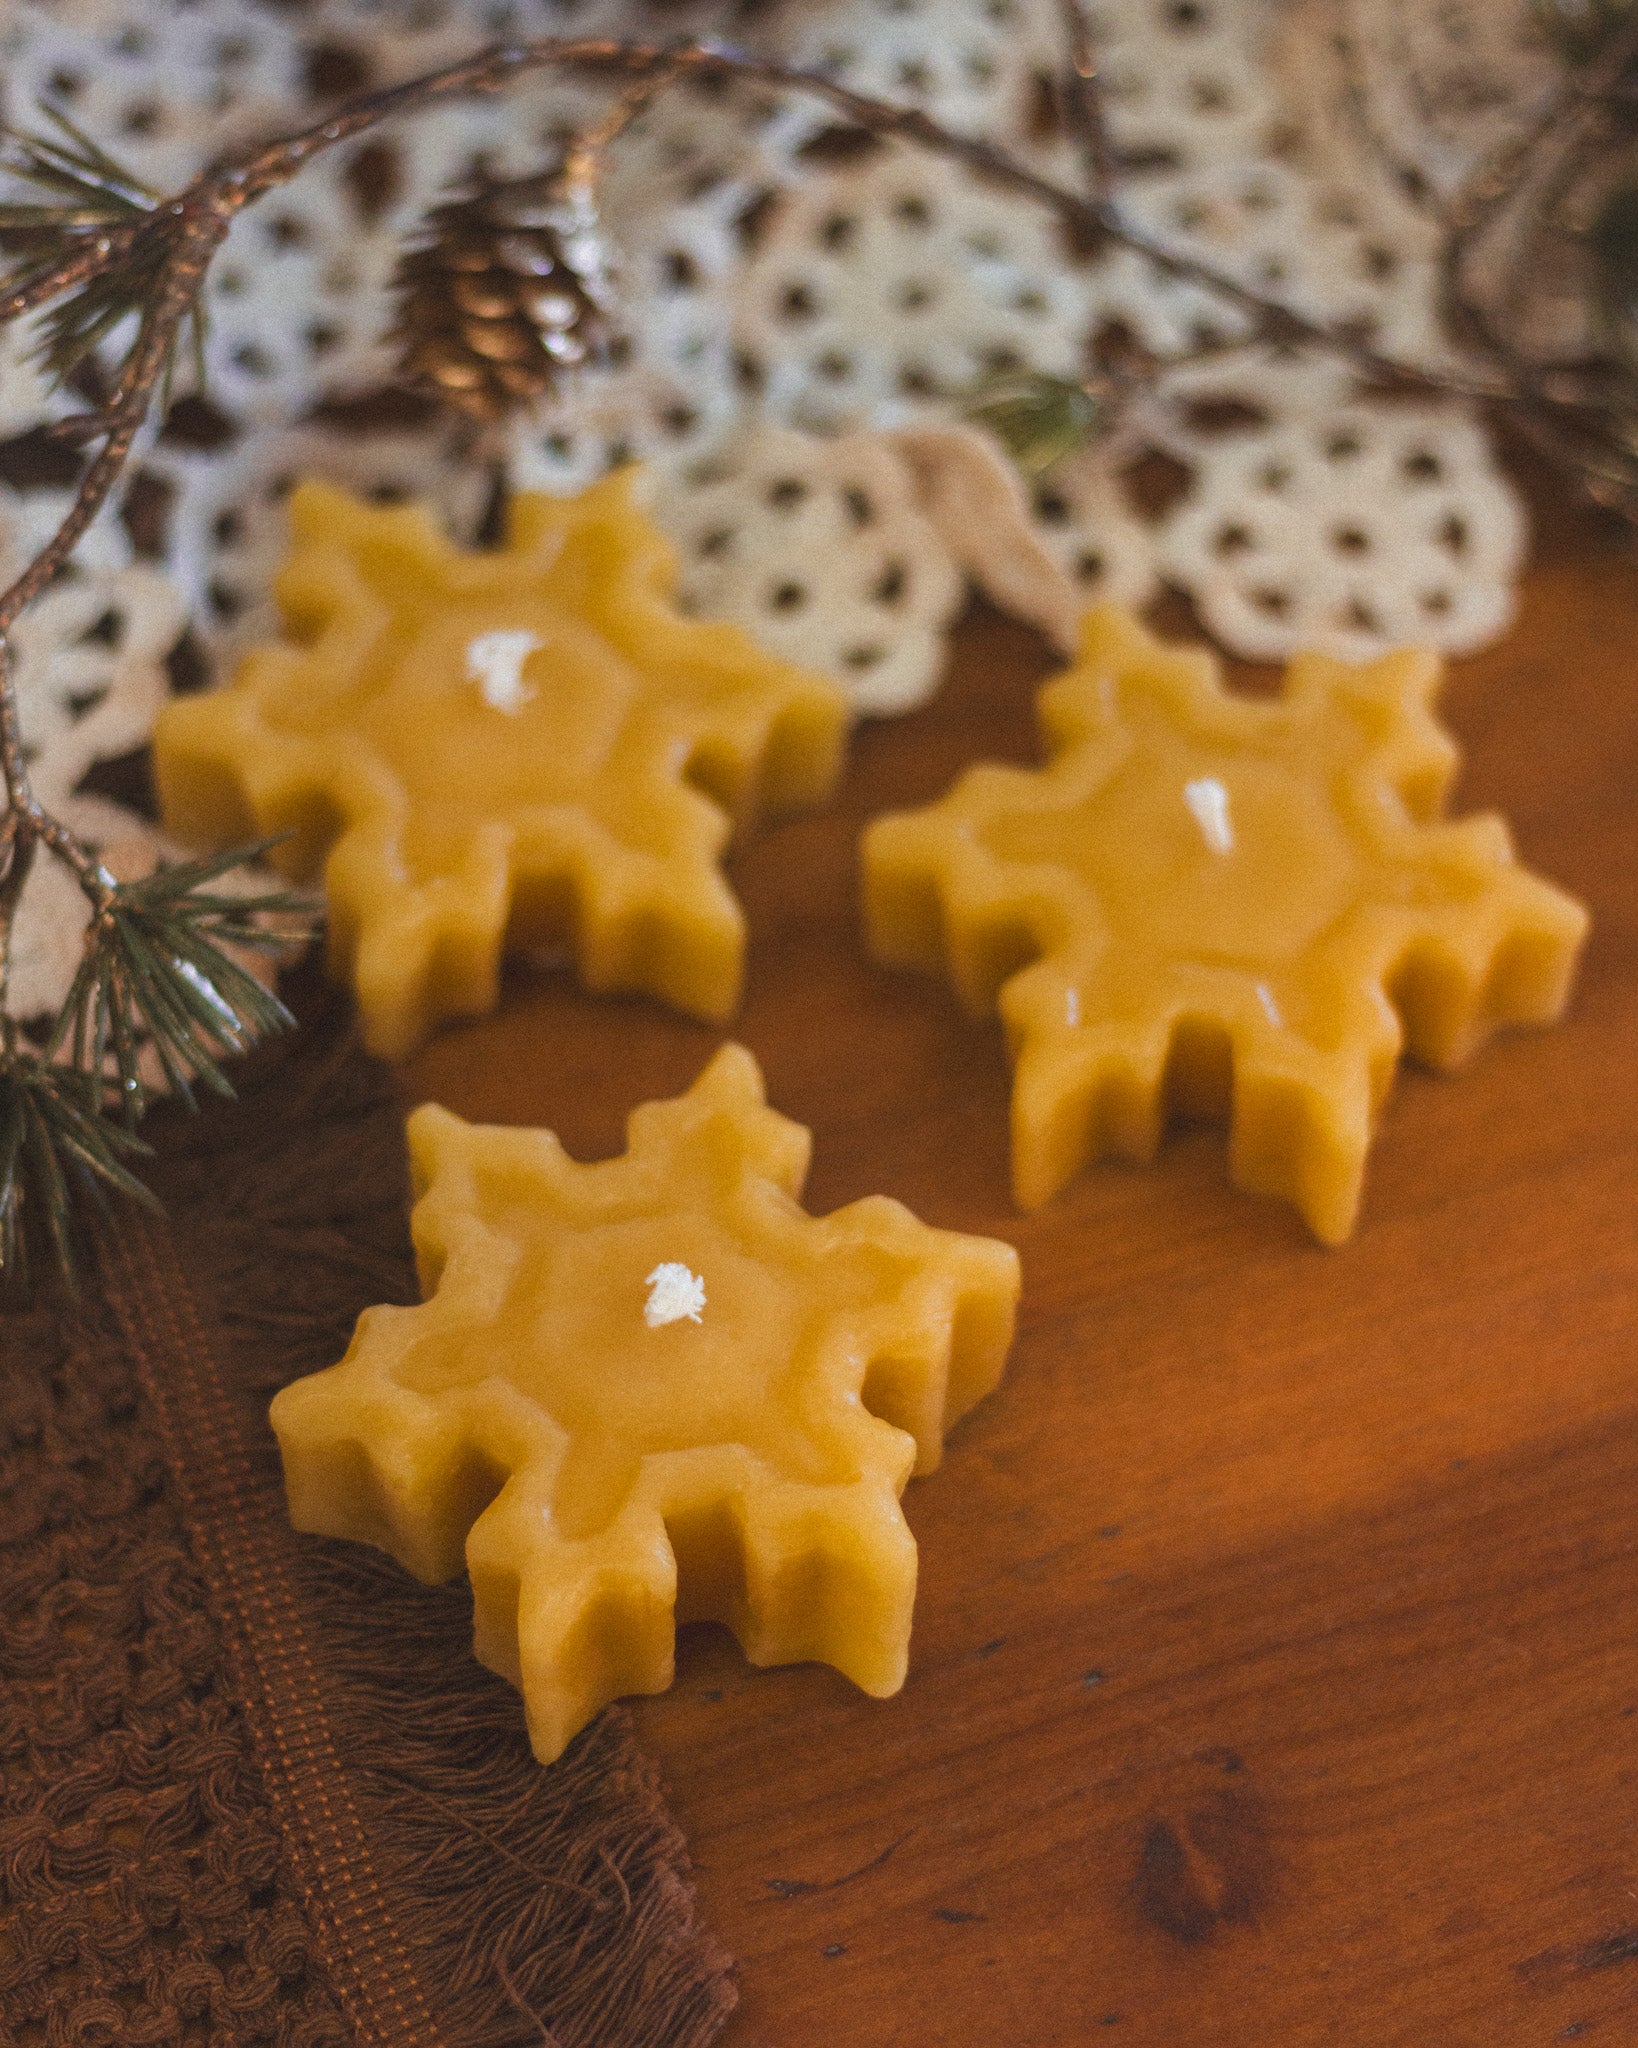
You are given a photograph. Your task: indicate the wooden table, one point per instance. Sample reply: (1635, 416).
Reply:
(1275, 1672)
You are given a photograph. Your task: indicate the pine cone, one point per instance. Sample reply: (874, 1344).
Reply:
(507, 292)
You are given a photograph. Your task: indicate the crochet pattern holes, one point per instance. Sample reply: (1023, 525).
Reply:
(817, 548)
(773, 285)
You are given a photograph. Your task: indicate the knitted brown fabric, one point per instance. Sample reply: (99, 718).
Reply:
(253, 1787)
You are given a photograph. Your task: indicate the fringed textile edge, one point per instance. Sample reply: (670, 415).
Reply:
(534, 1905)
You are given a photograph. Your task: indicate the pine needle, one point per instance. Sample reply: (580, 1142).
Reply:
(91, 198)
(155, 970)
(57, 1153)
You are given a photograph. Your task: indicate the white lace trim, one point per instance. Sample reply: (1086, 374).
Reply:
(795, 321)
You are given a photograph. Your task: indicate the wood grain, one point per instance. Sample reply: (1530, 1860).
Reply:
(1274, 1675)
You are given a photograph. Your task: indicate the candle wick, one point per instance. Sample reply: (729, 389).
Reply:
(1208, 800)
(494, 661)
(673, 1293)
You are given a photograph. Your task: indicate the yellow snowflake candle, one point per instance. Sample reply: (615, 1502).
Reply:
(1227, 906)
(500, 751)
(652, 1389)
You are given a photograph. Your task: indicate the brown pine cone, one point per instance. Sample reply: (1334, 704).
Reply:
(508, 291)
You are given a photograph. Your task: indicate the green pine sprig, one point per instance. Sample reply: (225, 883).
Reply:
(156, 971)
(58, 1153)
(88, 198)
(155, 968)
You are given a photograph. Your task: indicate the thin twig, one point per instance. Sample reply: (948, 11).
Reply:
(584, 163)
(1525, 263)
(21, 845)
(1577, 101)
(195, 220)
(201, 228)
(1087, 217)
(1408, 177)
(198, 217)
(42, 287)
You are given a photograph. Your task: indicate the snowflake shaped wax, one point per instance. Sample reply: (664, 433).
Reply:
(652, 1389)
(1222, 906)
(583, 796)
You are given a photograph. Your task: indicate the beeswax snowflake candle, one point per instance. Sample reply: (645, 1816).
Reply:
(493, 751)
(652, 1389)
(1235, 907)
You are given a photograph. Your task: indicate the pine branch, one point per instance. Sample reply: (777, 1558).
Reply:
(154, 973)
(155, 970)
(97, 205)
(58, 1153)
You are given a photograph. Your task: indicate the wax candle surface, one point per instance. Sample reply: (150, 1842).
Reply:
(507, 750)
(649, 1389)
(1223, 906)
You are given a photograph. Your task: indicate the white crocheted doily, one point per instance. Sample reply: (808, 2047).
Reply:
(804, 327)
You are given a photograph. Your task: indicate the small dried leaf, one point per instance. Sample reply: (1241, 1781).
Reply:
(1613, 247)
(1038, 419)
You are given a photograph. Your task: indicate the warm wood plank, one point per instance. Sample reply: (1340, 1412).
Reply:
(1274, 1673)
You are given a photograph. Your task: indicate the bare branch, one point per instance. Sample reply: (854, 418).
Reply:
(1578, 103)
(1408, 176)
(1083, 93)
(195, 220)
(20, 849)
(584, 162)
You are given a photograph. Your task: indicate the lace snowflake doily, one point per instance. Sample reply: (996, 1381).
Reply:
(803, 329)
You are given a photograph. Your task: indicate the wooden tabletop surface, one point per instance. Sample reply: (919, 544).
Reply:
(1275, 1668)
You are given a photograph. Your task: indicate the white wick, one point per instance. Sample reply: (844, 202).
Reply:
(673, 1292)
(1208, 800)
(1271, 1009)
(494, 661)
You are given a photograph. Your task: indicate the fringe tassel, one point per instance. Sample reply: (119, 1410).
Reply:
(543, 1906)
